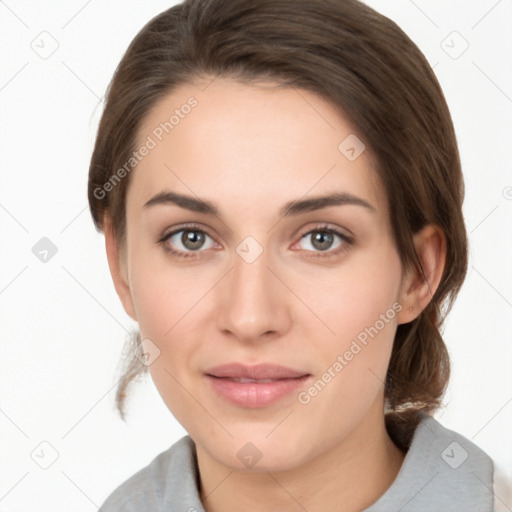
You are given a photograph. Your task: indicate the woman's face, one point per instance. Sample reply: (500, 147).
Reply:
(270, 328)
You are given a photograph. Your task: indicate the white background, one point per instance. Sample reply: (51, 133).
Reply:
(62, 325)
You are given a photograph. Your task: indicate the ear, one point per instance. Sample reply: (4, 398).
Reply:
(418, 289)
(117, 266)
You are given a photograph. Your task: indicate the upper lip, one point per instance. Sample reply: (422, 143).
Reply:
(256, 372)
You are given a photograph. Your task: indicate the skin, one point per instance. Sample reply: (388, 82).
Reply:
(249, 149)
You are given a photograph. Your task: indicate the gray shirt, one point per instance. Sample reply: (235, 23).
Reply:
(442, 472)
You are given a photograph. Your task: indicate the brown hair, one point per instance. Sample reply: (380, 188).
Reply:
(359, 61)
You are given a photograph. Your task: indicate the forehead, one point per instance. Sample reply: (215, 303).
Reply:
(243, 142)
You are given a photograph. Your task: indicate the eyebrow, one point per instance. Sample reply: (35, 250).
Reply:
(289, 209)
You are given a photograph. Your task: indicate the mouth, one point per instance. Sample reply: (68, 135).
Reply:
(254, 386)
(242, 380)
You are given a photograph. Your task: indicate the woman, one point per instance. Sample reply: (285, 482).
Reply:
(281, 195)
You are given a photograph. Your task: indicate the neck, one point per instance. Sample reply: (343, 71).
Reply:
(355, 472)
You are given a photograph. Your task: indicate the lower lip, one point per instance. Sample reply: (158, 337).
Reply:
(255, 395)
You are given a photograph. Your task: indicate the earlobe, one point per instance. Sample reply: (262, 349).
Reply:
(118, 269)
(420, 286)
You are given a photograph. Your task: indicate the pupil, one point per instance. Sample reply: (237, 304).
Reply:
(322, 240)
(192, 239)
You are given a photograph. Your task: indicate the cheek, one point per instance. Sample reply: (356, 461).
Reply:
(163, 294)
(358, 310)
(168, 302)
(360, 295)
(165, 312)
(352, 367)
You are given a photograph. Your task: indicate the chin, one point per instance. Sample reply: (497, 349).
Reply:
(255, 452)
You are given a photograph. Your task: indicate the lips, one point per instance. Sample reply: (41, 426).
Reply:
(254, 386)
(254, 372)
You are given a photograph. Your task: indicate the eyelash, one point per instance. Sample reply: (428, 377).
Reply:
(347, 242)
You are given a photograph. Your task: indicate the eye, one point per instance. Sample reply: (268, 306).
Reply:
(325, 240)
(189, 241)
(184, 241)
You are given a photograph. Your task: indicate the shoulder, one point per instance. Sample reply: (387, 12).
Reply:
(442, 470)
(170, 476)
(452, 451)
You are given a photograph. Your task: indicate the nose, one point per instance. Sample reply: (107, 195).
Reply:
(253, 303)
